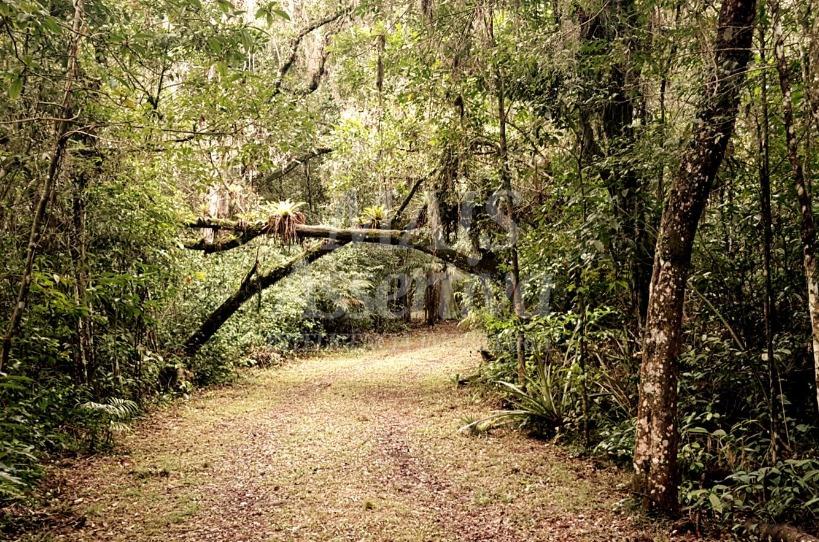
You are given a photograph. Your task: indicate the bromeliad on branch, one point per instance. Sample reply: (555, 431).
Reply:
(482, 262)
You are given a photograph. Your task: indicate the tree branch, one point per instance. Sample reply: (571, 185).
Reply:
(420, 240)
(248, 288)
(294, 163)
(400, 212)
(294, 47)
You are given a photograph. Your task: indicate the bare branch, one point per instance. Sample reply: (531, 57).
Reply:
(295, 163)
(294, 47)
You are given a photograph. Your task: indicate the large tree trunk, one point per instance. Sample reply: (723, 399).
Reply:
(54, 170)
(803, 195)
(655, 454)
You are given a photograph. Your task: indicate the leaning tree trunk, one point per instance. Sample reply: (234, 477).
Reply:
(250, 286)
(807, 226)
(655, 453)
(54, 169)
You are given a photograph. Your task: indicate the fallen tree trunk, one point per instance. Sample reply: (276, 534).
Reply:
(334, 238)
(766, 532)
(484, 262)
(252, 285)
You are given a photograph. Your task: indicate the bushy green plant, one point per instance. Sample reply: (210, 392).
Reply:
(543, 406)
(616, 441)
(102, 420)
(785, 492)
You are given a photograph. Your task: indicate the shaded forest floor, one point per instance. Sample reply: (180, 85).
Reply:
(357, 445)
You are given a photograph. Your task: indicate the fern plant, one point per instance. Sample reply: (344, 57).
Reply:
(373, 216)
(103, 421)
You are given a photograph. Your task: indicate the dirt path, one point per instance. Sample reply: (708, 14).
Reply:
(361, 445)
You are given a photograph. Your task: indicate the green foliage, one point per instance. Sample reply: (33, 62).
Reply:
(785, 492)
(103, 420)
(373, 216)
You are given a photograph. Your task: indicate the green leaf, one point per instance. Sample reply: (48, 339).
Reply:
(15, 88)
(716, 503)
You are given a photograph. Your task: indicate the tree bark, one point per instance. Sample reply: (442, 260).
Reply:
(766, 532)
(655, 454)
(52, 177)
(803, 195)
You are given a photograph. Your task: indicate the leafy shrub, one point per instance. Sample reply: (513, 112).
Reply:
(617, 441)
(102, 420)
(19, 468)
(785, 492)
(544, 405)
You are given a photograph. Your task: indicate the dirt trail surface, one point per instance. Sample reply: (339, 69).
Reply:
(354, 446)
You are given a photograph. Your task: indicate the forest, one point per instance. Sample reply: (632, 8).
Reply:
(409, 270)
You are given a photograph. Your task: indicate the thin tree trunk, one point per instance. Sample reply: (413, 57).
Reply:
(432, 295)
(803, 195)
(79, 257)
(516, 295)
(655, 453)
(812, 86)
(630, 246)
(767, 242)
(47, 194)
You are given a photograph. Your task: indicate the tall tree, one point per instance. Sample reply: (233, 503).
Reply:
(655, 454)
(610, 36)
(763, 140)
(61, 137)
(807, 227)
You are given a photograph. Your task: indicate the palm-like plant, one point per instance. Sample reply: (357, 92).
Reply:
(107, 418)
(373, 216)
(283, 219)
(544, 403)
